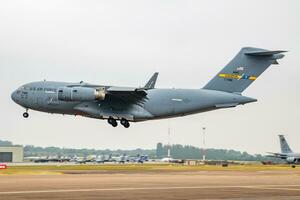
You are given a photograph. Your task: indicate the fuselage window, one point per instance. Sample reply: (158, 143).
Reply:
(50, 90)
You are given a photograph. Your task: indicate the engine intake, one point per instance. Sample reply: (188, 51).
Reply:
(81, 94)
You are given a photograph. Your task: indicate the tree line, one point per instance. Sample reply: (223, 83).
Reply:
(178, 151)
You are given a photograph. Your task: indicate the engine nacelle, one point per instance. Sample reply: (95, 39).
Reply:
(80, 94)
(291, 159)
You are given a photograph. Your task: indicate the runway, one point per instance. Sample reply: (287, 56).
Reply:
(153, 185)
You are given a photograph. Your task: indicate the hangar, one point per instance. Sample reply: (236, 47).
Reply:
(11, 154)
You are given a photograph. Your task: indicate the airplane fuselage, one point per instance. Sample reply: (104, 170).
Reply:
(159, 103)
(291, 158)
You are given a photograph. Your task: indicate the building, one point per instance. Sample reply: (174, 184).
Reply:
(11, 154)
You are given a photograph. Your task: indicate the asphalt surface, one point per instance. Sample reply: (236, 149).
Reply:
(154, 185)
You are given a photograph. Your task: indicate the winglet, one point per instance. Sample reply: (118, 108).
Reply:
(151, 83)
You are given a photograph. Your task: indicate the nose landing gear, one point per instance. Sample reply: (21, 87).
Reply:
(25, 114)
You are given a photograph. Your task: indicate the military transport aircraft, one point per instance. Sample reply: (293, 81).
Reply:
(286, 153)
(128, 104)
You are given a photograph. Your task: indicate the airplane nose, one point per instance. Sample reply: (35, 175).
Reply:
(14, 96)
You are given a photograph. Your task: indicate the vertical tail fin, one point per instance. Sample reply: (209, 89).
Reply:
(243, 69)
(151, 83)
(285, 148)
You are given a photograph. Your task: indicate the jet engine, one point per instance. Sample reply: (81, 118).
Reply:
(80, 94)
(291, 159)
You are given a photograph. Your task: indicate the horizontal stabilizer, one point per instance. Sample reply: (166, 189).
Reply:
(264, 53)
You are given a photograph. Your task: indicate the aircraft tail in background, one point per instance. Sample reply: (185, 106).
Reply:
(285, 148)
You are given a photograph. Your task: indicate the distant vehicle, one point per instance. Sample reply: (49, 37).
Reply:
(100, 159)
(286, 153)
(267, 162)
(32, 158)
(128, 104)
(46, 159)
(139, 159)
(86, 159)
(171, 160)
(120, 159)
(78, 159)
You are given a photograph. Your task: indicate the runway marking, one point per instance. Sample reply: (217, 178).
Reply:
(261, 187)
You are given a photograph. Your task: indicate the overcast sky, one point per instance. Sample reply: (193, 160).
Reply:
(124, 42)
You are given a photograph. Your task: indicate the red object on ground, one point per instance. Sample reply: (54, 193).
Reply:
(3, 166)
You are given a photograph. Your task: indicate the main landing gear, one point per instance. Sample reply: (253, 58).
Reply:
(125, 123)
(114, 122)
(25, 114)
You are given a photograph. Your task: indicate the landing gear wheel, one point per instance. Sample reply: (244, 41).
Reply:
(125, 123)
(115, 124)
(112, 122)
(25, 115)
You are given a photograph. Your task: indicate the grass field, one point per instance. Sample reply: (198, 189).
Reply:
(61, 169)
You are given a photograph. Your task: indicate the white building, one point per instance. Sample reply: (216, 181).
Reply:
(11, 154)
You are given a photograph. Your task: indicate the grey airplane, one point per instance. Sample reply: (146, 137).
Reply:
(286, 153)
(128, 104)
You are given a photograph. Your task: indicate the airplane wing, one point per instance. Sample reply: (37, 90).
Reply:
(276, 155)
(129, 95)
(123, 90)
(149, 85)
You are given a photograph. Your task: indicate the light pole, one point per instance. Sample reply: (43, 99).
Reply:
(203, 147)
(169, 145)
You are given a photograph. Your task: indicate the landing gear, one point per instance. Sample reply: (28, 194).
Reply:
(25, 114)
(125, 123)
(112, 122)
